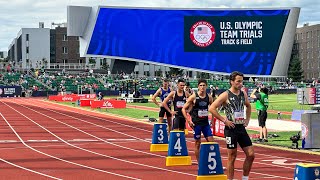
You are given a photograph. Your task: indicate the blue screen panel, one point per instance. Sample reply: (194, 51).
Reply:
(211, 40)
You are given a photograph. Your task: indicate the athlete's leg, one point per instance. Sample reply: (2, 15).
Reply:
(169, 120)
(160, 119)
(249, 160)
(207, 133)
(197, 148)
(232, 155)
(197, 138)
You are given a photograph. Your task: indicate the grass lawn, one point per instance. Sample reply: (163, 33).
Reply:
(283, 139)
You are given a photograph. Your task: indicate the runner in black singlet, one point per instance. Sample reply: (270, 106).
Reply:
(234, 101)
(178, 98)
(200, 102)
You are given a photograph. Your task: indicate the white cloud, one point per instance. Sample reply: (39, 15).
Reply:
(16, 14)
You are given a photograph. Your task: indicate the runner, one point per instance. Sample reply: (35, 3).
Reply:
(178, 98)
(199, 101)
(234, 101)
(163, 92)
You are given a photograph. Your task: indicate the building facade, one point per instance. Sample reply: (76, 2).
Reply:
(45, 48)
(3, 55)
(307, 48)
(31, 48)
(64, 49)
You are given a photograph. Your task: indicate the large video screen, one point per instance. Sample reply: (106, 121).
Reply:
(210, 40)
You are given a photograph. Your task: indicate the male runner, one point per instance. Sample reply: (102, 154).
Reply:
(234, 101)
(163, 92)
(199, 101)
(178, 98)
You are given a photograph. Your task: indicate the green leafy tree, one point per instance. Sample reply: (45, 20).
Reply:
(105, 66)
(175, 72)
(295, 71)
(92, 61)
(204, 75)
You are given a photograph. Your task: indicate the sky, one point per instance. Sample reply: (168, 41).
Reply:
(17, 14)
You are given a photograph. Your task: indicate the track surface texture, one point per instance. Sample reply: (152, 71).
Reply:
(44, 140)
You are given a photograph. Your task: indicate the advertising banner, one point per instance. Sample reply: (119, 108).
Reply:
(10, 91)
(108, 103)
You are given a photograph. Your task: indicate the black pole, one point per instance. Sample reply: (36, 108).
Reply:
(135, 86)
(127, 88)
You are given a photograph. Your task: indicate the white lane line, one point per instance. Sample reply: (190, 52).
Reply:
(71, 140)
(54, 157)
(93, 152)
(21, 167)
(150, 131)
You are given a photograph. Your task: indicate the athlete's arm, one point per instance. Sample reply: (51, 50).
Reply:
(214, 109)
(186, 93)
(158, 93)
(166, 100)
(186, 107)
(210, 99)
(248, 109)
(210, 102)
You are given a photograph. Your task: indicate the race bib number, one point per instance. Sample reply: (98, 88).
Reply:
(239, 117)
(203, 113)
(180, 104)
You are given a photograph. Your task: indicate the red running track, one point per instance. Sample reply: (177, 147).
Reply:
(41, 140)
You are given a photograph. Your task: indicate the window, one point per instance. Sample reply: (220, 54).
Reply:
(27, 50)
(65, 37)
(77, 38)
(64, 50)
(308, 65)
(308, 45)
(27, 37)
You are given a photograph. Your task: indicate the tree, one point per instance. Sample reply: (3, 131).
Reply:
(44, 63)
(175, 72)
(204, 75)
(92, 61)
(105, 66)
(295, 72)
(158, 73)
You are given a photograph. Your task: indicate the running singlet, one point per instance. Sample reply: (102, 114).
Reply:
(200, 110)
(164, 94)
(235, 107)
(178, 103)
